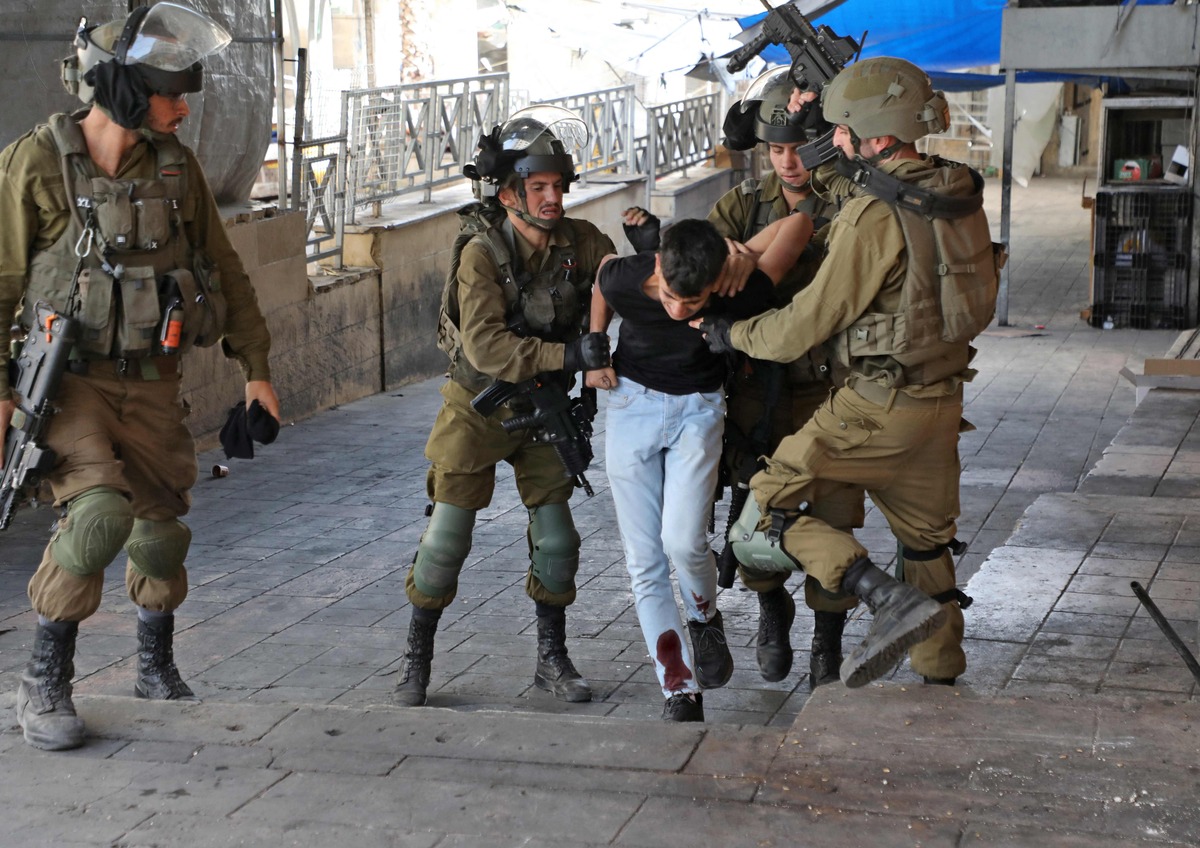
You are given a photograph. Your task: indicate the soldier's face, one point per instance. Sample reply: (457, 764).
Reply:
(543, 196)
(785, 159)
(841, 137)
(867, 147)
(166, 112)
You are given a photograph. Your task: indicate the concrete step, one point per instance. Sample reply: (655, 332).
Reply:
(953, 768)
(883, 765)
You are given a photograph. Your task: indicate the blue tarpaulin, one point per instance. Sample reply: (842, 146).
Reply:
(940, 36)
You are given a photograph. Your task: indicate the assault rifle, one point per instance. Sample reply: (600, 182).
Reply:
(817, 54)
(557, 419)
(35, 373)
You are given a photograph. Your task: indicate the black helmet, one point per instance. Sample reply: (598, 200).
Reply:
(762, 115)
(534, 139)
(769, 96)
(156, 50)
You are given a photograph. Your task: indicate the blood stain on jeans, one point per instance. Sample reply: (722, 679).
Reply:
(669, 653)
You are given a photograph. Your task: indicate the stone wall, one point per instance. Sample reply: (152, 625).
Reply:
(271, 245)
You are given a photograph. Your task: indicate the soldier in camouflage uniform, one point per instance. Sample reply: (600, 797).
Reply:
(514, 308)
(768, 400)
(108, 217)
(910, 277)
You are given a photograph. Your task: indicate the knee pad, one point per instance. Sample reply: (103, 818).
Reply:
(157, 549)
(443, 550)
(92, 532)
(759, 550)
(553, 547)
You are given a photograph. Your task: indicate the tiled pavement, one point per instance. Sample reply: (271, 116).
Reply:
(297, 600)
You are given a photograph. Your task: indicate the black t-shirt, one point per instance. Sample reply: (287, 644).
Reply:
(656, 350)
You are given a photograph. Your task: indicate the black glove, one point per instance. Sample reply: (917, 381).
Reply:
(644, 236)
(586, 353)
(244, 427)
(739, 125)
(716, 333)
(813, 120)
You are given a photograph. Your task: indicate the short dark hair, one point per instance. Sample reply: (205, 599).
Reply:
(691, 255)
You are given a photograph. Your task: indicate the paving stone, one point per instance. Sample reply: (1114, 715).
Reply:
(29, 823)
(1017, 587)
(174, 721)
(178, 830)
(1070, 645)
(492, 811)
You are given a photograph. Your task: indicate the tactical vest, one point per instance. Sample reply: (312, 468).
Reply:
(551, 304)
(948, 297)
(760, 215)
(813, 366)
(126, 250)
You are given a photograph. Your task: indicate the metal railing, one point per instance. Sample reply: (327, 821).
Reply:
(398, 140)
(681, 134)
(317, 187)
(414, 137)
(609, 114)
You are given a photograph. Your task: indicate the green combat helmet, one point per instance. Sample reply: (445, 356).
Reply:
(885, 96)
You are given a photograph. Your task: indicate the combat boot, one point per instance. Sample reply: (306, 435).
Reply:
(555, 672)
(776, 612)
(902, 617)
(418, 659)
(44, 707)
(158, 678)
(826, 648)
(710, 652)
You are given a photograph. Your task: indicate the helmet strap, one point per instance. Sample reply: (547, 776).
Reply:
(132, 24)
(856, 142)
(885, 153)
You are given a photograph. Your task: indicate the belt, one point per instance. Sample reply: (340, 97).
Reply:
(142, 368)
(891, 398)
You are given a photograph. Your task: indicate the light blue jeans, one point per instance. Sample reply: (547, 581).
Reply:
(662, 453)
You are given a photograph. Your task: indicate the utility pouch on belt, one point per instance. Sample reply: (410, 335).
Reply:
(137, 331)
(98, 318)
(203, 307)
